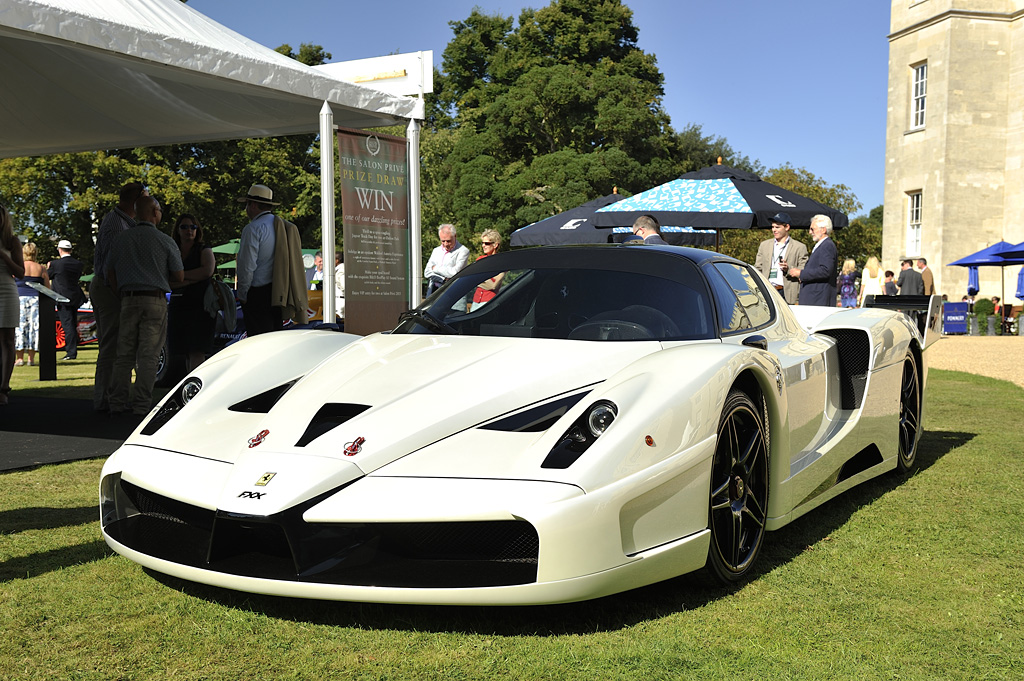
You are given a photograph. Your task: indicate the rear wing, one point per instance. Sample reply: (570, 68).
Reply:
(924, 311)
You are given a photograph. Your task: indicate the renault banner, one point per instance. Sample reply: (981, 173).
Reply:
(375, 216)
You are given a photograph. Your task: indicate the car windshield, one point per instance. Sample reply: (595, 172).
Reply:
(617, 303)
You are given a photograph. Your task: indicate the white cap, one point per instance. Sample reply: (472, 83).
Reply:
(65, 244)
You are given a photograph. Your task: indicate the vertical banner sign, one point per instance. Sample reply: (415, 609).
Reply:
(375, 216)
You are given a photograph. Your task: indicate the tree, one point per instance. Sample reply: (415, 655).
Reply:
(862, 239)
(532, 119)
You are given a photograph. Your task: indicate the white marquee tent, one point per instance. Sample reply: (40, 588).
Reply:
(81, 75)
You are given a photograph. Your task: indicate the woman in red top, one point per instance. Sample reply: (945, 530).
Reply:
(491, 241)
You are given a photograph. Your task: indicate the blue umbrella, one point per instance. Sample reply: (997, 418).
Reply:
(991, 255)
(717, 197)
(1014, 252)
(972, 281)
(1020, 284)
(999, 254)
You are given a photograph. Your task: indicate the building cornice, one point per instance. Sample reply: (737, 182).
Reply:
(957, 14)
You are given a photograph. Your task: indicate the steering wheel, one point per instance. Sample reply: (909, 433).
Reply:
(610, 329)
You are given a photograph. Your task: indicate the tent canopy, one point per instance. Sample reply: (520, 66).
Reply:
(81, 75)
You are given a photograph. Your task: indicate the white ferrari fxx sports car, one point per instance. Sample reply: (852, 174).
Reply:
(552, 425)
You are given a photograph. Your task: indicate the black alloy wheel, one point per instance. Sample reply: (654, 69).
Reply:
(739, 490)
(910, 415)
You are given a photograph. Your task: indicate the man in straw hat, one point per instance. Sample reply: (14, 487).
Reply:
(255, 266)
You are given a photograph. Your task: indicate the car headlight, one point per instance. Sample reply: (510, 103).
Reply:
(190, 389)
(583, 432)
(173, 404)
(600, 417)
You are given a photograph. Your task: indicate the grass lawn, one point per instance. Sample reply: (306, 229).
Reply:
(899, 579)
(74, 378)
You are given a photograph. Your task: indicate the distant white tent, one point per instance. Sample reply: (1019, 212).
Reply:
(80, 75)
(84, 75)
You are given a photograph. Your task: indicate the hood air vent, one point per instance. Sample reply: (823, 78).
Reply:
(329, 416)
(536, 419)
(261, 404)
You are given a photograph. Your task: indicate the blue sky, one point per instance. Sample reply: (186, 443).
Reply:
(797, 81)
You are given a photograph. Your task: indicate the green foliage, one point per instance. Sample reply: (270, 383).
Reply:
(308, 54)
(984, 307)
(862, 239)
(535, 117)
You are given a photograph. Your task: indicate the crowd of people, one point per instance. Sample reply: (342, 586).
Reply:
(136, 265)
(147, 288)
(816, 278)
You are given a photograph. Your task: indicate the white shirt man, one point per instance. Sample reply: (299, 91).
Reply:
(445, 260)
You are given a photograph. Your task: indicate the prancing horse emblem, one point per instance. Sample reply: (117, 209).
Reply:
(264, 479)
(354, 447)
(260, 437)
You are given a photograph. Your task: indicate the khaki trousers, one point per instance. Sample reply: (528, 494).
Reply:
(140, 339)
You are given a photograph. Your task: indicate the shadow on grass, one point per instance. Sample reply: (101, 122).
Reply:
(36, 518)
(49, 561)
(687, 592)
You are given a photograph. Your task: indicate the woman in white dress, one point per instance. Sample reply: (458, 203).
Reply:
(12, 265)
(871, 280)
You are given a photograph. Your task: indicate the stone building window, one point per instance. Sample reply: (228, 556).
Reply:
(913, 223)
(919, 97)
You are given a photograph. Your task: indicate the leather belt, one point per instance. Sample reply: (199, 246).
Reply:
(148, 292)
(777, 287)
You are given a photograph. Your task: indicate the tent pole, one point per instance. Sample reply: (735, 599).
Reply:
(327, 208)
(415, 227)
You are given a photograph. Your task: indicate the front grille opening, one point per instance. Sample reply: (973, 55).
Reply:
(285, 547)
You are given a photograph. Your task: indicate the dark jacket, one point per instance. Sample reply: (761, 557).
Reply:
(64, 275)
(655, 240)
(910, 283)
(818, 277)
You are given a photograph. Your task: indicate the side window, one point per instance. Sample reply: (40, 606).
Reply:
(741, 302)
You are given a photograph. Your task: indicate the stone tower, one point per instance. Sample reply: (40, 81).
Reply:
(954, 166)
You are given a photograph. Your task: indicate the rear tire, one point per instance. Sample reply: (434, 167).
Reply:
(910, 416)
(738, 504)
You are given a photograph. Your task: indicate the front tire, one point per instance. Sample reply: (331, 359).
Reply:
(738, 505)
(910, 416)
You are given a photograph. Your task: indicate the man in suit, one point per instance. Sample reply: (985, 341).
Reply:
(818, 276)
(926, 277)
(910, 281)
(64, 273)
(647, 228)
(772, 252)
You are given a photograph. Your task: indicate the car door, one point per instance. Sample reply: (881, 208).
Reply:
(746, 311)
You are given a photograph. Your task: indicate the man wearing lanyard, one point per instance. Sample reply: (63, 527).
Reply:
(773, 251)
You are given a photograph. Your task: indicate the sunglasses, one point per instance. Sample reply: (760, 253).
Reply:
(488, 243)
(188, 226)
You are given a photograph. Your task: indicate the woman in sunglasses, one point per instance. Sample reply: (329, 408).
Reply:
(491, 242)
(189, 325)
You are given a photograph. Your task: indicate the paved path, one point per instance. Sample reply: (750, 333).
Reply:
(992, 356)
